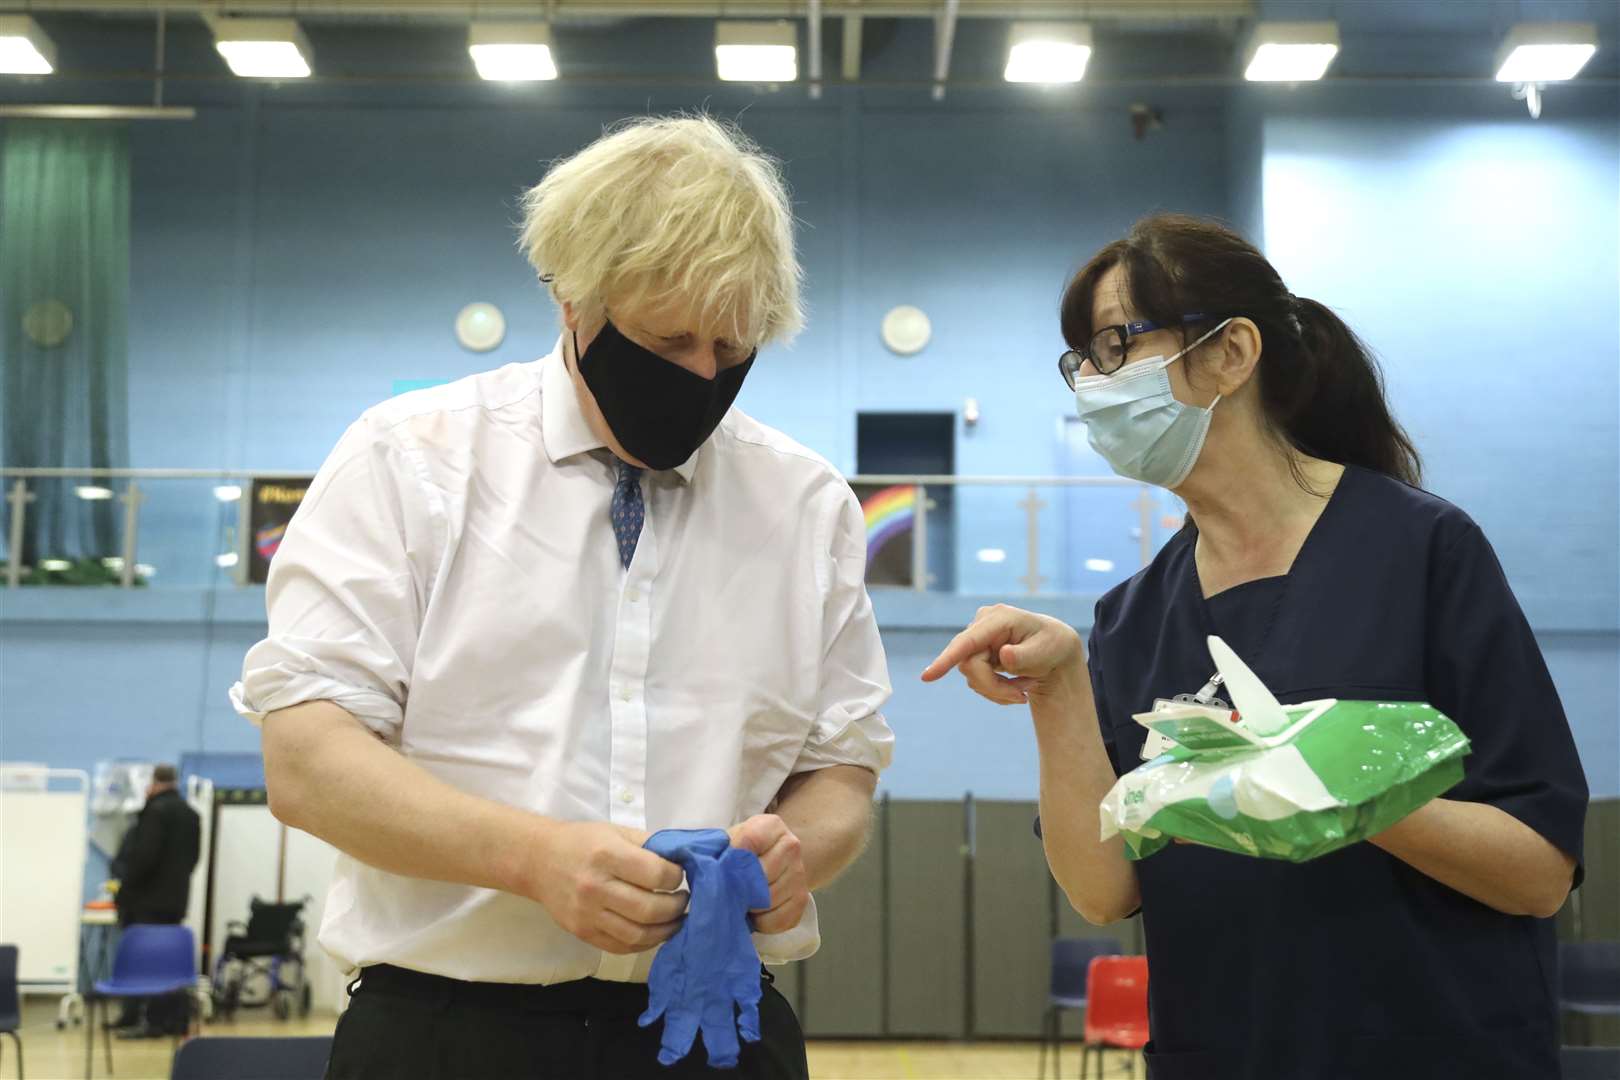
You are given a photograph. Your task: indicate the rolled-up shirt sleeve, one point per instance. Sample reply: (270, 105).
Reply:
(854, 683)
(347, 588)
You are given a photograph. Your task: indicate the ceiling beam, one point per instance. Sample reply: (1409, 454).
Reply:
(1136, 11)
(97, 112)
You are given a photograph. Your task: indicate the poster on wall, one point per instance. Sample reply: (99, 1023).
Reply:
(272, 501)
(891, 532)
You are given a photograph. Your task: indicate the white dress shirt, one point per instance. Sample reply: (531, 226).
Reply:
(452, 580)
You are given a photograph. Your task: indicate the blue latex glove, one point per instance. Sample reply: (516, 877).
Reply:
(709, 971)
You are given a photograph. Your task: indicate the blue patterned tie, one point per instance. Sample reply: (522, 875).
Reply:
(628, 512)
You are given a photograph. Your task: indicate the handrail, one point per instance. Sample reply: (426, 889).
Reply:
(16, 494)
(930, 480)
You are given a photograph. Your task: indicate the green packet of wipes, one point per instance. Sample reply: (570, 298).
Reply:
(1280, 782)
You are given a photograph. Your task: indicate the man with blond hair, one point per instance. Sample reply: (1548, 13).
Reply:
(523, 620)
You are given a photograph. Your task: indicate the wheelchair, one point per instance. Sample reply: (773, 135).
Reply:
(262, 962)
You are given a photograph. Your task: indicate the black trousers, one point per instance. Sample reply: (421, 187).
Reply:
(169, 1014)
(425, 1027)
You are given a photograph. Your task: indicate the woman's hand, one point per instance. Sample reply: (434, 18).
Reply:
(1008, 655)
(1013, 657)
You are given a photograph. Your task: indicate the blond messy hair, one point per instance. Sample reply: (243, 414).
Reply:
(679, 208)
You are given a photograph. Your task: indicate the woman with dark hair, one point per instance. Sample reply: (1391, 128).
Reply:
(1426, 951)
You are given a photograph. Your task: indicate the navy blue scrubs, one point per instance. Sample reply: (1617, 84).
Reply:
(1354, 965)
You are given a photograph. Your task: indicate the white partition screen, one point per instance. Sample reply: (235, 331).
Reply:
(43, 836)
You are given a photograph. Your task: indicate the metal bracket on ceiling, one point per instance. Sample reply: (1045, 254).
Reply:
(944, 35)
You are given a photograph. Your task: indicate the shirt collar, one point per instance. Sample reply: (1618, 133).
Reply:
(563, 426)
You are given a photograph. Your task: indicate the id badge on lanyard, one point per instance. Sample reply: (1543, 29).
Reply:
(1155, 743)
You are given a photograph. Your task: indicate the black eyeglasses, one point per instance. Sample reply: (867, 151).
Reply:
(1106, 353)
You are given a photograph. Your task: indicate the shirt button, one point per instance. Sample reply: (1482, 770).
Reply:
(625, 695)
(626, 796)
(634, 596)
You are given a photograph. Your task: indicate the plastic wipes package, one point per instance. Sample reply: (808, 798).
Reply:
(1281, 782)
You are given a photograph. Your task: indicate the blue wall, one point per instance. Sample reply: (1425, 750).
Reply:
(150, 683)
(294, 255)
(282, 250)
(1477, 252)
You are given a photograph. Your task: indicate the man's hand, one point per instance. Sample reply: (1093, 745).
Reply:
(603, 887)
(780, 854)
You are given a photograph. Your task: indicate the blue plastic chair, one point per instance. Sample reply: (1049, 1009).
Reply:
(151, 960)
(10, 1006)
(1589, 977)
(1071, 958)
(1590, 1062)
(253, 1059)
(1589, 981)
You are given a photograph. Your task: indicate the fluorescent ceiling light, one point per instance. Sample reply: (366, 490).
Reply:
(92, 492)
(24, 48)
(113, 563)
(1048, 52)
(226, 560)
(55, 564)
(145, 570)
(263, 48)
(1101, 566)
(764, 52)
(992, 555)
(1291, 51)
(1545, 52)
(228, 492)
(511, 52)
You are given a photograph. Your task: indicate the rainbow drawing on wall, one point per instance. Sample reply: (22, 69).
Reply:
(268, 540)
(889, 512)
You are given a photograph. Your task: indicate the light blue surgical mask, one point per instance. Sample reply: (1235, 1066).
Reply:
(1135, 422)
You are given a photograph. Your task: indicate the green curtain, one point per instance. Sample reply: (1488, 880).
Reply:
(64, 297)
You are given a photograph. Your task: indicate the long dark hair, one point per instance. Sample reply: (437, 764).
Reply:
(1321, 390)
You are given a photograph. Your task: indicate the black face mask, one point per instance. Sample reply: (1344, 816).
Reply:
(659, 411)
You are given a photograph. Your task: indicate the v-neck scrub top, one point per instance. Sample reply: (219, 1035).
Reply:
(1354, 965)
